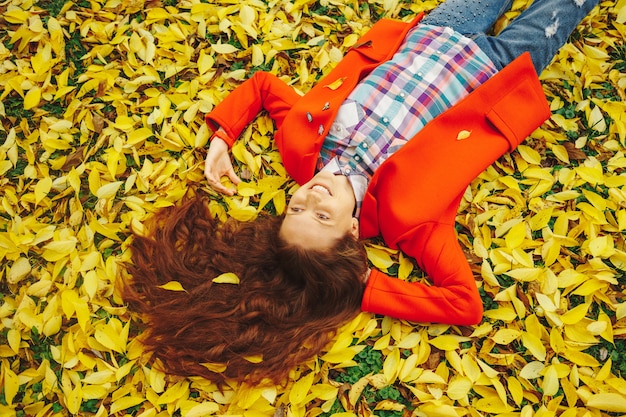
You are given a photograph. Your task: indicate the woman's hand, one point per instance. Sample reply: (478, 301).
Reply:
(218, 164)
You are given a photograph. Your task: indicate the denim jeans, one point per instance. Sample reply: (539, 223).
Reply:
(541, 29)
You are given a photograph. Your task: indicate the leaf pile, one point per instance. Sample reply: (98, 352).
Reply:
(101, 103)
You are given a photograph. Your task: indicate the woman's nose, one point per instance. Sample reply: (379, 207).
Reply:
(313, 197)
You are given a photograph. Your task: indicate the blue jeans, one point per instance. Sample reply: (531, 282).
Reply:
(541, 29)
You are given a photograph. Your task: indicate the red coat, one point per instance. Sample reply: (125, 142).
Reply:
(413, 198)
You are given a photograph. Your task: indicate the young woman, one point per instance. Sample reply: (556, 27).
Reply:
(384, 145)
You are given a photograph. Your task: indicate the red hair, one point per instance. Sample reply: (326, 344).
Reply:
(286, 308)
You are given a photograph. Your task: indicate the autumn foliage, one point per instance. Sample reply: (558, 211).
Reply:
(101, 107)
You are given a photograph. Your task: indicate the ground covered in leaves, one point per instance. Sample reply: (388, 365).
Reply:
(101, 109)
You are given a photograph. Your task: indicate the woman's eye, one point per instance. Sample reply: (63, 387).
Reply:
(295, 209)
(322, 216)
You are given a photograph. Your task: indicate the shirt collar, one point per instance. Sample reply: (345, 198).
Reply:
(358, 181)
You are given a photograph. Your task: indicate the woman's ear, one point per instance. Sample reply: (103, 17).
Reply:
(354, 229)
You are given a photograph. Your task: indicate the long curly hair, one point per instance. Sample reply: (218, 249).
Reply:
(284, 311)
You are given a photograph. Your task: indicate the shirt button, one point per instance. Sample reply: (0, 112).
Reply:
(357, 157)
(420, 74)
(385, 120)
(402, 94)
(364, 145)
(348, 170)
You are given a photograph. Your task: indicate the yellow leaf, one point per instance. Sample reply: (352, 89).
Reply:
(357, 388)
(607, 333)
(174, 393)
(438, 409)
(602, 246)
(42, 60)
(556, 340)
(32, 98)
(516, 235)
(470, 367)
(336, 84)
(391, 366)
(516, 390)
(125, 403)
(525, 274)
(300, 389)
(529, 154)
(280, 202)
(445, 342)
(492, 404)
(19, 270)
(258, 57)
(205, 61)
(243, 214)
(214, 367)
(107, 335)
(74, 399)
(389, 405)
(247, 189)
(534, 345)
(545, 302)
(203, 409)
(11, 383)
(608, 401)
(380, 258)
(532, 370)
(227, 278)
(15, 15)
(410, 341)
(382, 342)
(506, 336)
(459, 387)
(58, 249)
(570, 392)
(409, 370)
(14, 339)
(580, 358)
(550, 384)
(60, 126)
(596, 120)
(220, 48)
(137, 136)
(109, 190)
(463, 134)
(42, 189)
(406, 266)
(342, 357)
(172, 286)
(254, 358)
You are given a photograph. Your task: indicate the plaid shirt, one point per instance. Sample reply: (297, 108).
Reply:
(432, 70)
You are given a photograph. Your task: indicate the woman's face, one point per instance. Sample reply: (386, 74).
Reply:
(320, 212)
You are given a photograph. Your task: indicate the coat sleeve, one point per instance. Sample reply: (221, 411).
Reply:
(262, 91)
(452, 298)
